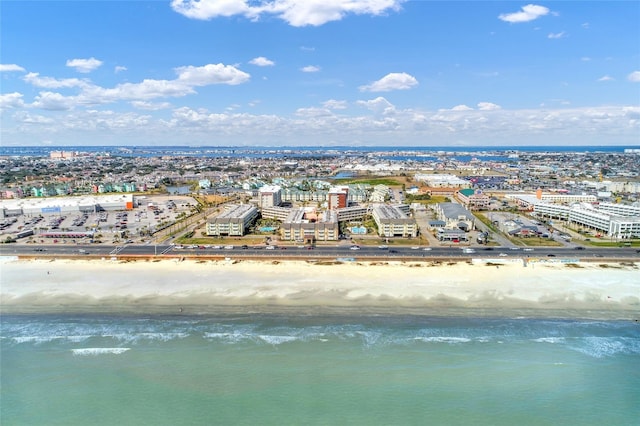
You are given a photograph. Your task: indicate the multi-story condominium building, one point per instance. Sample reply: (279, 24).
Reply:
(528, 201)
(269, 196)
(234, 222)
(338, 198)
(278, 213)
(307, 225)
(349, 214)
(613, 220)
(393, 222)
(380, 194)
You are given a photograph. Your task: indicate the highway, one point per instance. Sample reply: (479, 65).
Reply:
(319, 252)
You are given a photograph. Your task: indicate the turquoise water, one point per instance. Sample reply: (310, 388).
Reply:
(279, 369)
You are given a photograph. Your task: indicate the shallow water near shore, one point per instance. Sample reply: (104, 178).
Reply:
(310, 369)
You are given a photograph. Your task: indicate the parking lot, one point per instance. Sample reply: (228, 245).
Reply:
(133, 225)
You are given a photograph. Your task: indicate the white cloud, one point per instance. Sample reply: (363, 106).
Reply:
(528, 13)
(391, 81)
(488, 106)
(313, 112)
(84, 65)
(261, 61)
(211, 74)
(310, 68)
(334, 104)
(23, 117)
(561, 34)
(119, 68)
(53, 83)
(460, 108)
(10, 68)
(606, 78)
(11, 100)
(53, 101)
(317, 125)
(188, 78)
(208, 9)
(378, 105)
(151, 106)
(298, 13)
(634, 77)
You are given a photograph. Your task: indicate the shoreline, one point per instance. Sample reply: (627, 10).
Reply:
(607, 290)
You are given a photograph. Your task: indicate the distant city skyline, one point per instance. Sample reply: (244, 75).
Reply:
(329, 73)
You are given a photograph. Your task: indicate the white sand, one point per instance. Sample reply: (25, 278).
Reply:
(587, 290)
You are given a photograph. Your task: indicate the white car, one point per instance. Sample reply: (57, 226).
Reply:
(415, 248)
(427, 249)
(354, 248)
(503, 254)
(270, 248)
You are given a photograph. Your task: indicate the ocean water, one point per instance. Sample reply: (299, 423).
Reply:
(317, 370)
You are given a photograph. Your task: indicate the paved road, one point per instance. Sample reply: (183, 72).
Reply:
(365, 252)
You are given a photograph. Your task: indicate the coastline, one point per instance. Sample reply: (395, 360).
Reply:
(183, 287)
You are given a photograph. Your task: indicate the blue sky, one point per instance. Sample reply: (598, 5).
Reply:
(319, 72)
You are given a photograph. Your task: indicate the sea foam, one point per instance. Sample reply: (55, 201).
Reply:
(98, 351)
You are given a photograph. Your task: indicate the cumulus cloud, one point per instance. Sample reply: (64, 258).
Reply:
(212, 74)
(488, 106)
(11, 100)
(297, 13)
(10, 68)
(378, 105)
(188, 77)
(53, 101)
(261, 61)
(634, 77)
(53, 83)
(460, 108)
(84, 65)
(310, 68)
(528, 13)
(391, 81)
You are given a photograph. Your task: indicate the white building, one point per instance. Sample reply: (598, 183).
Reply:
(269, 196)
(234, 221)
(614, 220)
(393, 222)
(308, 225)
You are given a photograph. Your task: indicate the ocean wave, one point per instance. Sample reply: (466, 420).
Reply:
(48, 339)
(445, 339)
(99, 351)
(593, 338)
(550, 340)
(603, 347)
(277, 340)
(149, 336)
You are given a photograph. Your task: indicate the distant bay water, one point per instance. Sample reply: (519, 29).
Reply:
(302, 151)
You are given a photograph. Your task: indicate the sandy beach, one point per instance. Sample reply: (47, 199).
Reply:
(587, 290)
